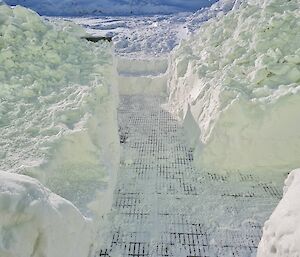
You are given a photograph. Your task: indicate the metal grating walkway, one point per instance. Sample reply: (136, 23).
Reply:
(164, 207)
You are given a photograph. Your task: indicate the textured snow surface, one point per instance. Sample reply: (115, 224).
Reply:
(235, 84)
(122, 7)
(35, 222)
(150, 36)
(140, 36)
(281, 233)
(58, 124)
(58, 119)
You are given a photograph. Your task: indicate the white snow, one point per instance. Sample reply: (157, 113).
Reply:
(150, 36)
(58, 124)
(35, 222)
(281, 233)
(235, 83)
(138, 36)
(221, 7)
(58, 107)
(142, 76)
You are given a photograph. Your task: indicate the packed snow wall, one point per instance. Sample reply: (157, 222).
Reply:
(142, 76)
(58, 124)
(236, 83)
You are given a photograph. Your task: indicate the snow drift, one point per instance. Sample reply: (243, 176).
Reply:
(120, 7)
(236, 86)
(35, 222)
(58, 124)
(281, 234)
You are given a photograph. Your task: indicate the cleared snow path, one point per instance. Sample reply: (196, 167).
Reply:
(165, 207)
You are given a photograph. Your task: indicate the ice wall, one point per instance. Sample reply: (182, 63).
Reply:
(235, 84)
(281, 233)
(58, 124)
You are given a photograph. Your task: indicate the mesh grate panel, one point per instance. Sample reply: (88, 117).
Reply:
(163, 206)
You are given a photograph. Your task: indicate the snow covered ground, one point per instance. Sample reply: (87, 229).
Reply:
(234, 84)
(143, 36)
(149, 36)
(58, 122)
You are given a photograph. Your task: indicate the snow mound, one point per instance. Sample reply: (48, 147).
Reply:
(111, 7)
(35, 222)
(281, 233)
(236, 86)
(58, 108)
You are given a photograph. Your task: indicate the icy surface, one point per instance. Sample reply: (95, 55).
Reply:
(235, 84)
(57, 109)
(164, 206)
(120, 7)
(35, 222)
(281, 234)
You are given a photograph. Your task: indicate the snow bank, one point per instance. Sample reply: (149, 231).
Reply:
(236, 86)
(281, 233)
(35, 222)
(121, 7)
(58, 109)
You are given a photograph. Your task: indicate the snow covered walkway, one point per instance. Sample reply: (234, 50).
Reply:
(165, 207)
